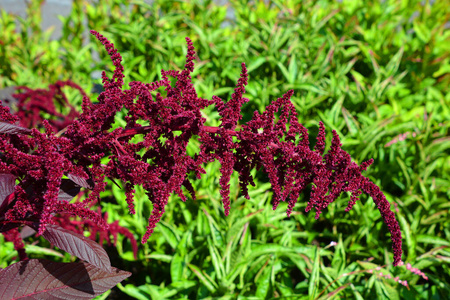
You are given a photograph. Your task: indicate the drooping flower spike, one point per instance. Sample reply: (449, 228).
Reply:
(159, 162)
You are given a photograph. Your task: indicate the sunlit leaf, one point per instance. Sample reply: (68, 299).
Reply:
(78, 245)
(44, 279)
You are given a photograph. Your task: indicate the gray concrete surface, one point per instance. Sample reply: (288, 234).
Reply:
(50, 11)
(52, 8)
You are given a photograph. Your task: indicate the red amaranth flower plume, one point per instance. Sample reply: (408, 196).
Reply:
(159, 161)
(32, 103)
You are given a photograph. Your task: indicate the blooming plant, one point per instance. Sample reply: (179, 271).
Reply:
(34, 193)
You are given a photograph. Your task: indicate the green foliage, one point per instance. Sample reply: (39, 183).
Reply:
(375, 71)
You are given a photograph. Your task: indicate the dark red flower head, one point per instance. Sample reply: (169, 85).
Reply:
(164, 121)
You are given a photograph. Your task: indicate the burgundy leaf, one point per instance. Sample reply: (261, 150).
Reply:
(86, 183)
(6, 226)
(78, 245)
(7, 183)
(13, 129)
(68, 190)
(45, 279)
(26, 231)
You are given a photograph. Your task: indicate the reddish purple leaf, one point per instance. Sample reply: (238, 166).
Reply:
(7, 183)
(45, 279)
(13, 129)
(68, 190)
(6, 226)
(78, 245)
(86, 183)
(26, 231)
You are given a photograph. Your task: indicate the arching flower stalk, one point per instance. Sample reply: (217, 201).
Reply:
(277, 146)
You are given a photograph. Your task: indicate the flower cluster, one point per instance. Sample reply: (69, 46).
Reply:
(164, 121)
(32, 104)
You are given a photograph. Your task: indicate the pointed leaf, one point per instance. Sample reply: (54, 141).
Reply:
(86, 183)
(68, 190)
(430, 239)
(45, 279)
(6, 226)
(256, 63)
(78, 245)
(13, 129)
(7, 183)
(314, 278)
(263, 284)
(204, 279)
(26, 231)
(422, 32)
(293, 71)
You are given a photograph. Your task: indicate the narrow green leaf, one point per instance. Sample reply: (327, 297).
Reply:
(293, 69)
(422, 32)
(216, 260)
(209, 284)
(410, 241)
(255, 64)
(430, 239)
(170, 234)
(263, 283)
(314, 277)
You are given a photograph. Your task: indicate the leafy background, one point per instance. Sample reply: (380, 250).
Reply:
(375, 71)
